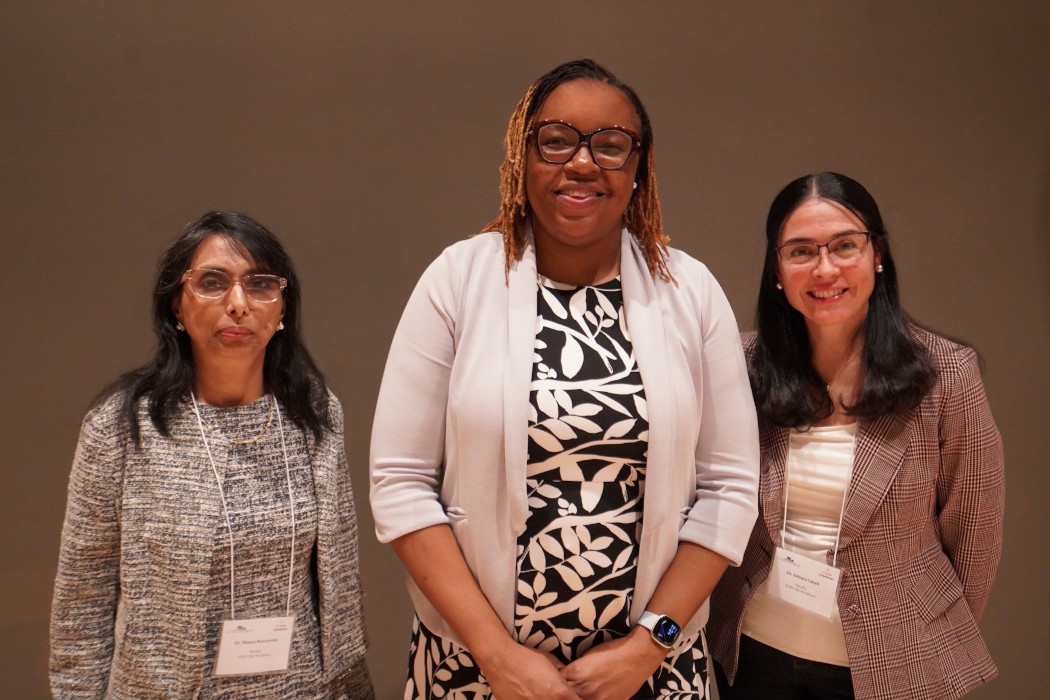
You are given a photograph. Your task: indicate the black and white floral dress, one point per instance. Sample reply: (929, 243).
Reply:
(577, 559)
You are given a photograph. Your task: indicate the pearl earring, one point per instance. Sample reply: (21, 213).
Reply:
(634, 186)
(179, 326)
(280, 326)
(878, 268)
(779, 285)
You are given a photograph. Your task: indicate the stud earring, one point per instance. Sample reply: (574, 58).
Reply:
(878, 268)
(779, 285)
(179, 326)
(280, 326)
(634, 186)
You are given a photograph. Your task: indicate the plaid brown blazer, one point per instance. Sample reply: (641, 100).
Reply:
(920, 544)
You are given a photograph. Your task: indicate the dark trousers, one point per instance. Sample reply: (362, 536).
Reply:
(765, 673)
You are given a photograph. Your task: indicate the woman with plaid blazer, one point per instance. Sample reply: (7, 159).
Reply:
(880, 461)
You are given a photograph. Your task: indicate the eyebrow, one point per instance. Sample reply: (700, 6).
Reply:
(226, 271)
(630, 131)
(814, 240)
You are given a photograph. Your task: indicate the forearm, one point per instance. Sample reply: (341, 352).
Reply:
(619, 667)
(435, 562)
(693, 574)
(514, 672)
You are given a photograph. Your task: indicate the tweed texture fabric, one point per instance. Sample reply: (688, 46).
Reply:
(144, 564)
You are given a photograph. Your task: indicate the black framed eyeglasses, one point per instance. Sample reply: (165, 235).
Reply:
(215, 284)
(610, 147)
(845, 248)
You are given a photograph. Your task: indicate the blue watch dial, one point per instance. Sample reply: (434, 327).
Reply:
(666, 631)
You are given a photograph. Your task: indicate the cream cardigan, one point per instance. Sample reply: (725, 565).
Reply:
(449, 441)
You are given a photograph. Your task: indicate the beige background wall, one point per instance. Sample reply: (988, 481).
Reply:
(368, 136)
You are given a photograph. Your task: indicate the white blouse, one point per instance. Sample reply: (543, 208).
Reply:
(819, 466)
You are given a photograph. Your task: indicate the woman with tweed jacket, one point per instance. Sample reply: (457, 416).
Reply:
(881, 487)
(210, 543)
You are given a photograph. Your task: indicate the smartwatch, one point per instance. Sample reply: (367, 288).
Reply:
(664, 630)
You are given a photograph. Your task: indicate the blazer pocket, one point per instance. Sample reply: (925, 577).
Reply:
(937, 589)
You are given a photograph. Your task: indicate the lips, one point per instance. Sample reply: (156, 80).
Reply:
(235, 332)
(825, 294)
(578, 200)
(579, 194)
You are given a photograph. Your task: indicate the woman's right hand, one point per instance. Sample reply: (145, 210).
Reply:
(513, 671)
(517, 672)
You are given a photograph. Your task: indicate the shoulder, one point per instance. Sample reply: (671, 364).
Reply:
(335, 409)
(945, 354)
(956, 367)
(471, 260)
(696, 291)
(483, 246)
(749, 339)
(107, 416)
(692, 278)
(103, 446)
(682, 265)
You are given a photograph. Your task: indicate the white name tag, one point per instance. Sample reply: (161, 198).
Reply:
(254, 647)
(807, 583)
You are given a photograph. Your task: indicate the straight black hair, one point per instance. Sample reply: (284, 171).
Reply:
(288, 370)
(787, 388)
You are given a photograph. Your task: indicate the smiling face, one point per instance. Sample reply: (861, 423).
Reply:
(232, 327)
(577, 207)
(829, 294)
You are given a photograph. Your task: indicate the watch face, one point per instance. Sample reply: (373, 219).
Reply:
(666, 631)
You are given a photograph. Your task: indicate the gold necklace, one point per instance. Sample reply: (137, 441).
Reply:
(246, 441)
(852, 360)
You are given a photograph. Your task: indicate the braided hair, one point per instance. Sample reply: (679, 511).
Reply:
(642, 218)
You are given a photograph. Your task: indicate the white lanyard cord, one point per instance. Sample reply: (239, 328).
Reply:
(842, 510)
(226, 511)
(291, 507)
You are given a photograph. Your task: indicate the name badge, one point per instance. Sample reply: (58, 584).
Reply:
(254, 647)
(807, 583)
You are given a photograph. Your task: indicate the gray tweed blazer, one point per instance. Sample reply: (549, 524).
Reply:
(127, 616)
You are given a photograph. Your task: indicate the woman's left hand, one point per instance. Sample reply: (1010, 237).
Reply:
(616, 669)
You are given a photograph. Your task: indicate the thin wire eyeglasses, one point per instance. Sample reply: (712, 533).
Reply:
(215, 284)
(610, 147)
(845, 248)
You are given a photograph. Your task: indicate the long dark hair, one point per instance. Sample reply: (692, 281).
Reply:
(643, 216)
(788, 390)
(288, 370)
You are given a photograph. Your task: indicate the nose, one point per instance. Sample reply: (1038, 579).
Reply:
(582, 160)
(826, 264)
(236, 300)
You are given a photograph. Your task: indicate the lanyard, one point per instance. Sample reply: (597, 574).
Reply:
(226, 511)
(842, 507)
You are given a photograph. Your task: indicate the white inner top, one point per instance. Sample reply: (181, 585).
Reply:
(819, 466)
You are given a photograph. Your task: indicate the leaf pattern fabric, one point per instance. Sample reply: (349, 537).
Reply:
(585, 480)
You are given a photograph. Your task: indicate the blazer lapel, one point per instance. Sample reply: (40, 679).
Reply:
(521, 333)
(879, 453)
(652, 351)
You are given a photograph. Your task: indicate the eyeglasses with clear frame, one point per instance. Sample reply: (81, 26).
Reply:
(215, 284)
(843, 249)
(610, 147)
